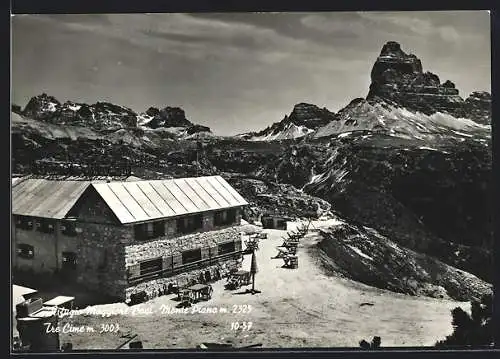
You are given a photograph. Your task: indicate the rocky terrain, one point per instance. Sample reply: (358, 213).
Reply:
(434, 200)
(412, 161)
(279, 199)
(389, 118)
(105, 117)
(478, 106)
(304, 119)
(362, 254)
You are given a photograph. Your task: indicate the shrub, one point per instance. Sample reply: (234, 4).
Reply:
(375, 344)
(475, 329)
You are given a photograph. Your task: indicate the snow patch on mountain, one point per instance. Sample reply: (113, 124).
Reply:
(143, 119)
(290, 131)
(381, 116)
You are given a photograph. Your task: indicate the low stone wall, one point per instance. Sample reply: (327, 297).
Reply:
(159, 286)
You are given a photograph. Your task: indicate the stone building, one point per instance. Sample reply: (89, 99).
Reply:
(124, 237)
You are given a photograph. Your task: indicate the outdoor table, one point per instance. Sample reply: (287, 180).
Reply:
(61, 301)
(200, 291)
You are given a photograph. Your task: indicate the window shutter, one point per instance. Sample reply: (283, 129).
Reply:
(134, 270)
(237, 245)
(167, 262)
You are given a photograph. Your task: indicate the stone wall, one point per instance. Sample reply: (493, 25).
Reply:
(170, 250)
(159, 286)
(105, 255)
(101, 255)
(99, 251)
(173, 246)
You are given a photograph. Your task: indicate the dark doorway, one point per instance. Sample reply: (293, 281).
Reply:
(68, 267)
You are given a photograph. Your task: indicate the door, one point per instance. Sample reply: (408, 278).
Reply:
(68, 267)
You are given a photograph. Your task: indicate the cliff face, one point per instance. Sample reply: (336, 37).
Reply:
(42, 107)
(399, 77)
(478, 106)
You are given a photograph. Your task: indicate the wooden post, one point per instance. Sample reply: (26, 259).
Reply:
(253, 270)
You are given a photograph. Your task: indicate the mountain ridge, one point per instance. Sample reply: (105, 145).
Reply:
(399, 85)
(106, 117)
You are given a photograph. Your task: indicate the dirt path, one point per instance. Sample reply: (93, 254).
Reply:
(304, 307)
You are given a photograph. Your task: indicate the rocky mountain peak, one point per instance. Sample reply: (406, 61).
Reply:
(16, 109)
(105, 117)
(392, 48)
(311, 116)
(303, 106)
(305, 118)
(394, 60)
(153, 111)
(480, 96)
(399, 77)
(168, 117)
(478, 106)
(41, 106)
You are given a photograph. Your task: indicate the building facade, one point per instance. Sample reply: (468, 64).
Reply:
(120, 238)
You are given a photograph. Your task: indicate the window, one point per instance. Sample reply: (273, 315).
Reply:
(44, 225)
(228, 247)
(189, 224)
(150, 266)
(158, 229)
(281, 224)
(25, 251)
(24, 222)
(104, 262)
(149, 230)
(225, 217)
(68, 229)
(69, 260)
(191, 256)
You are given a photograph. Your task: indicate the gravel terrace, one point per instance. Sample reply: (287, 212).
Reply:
(304, 307)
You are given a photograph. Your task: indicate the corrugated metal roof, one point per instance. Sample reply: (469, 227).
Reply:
(46, 198)
(139, 201)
